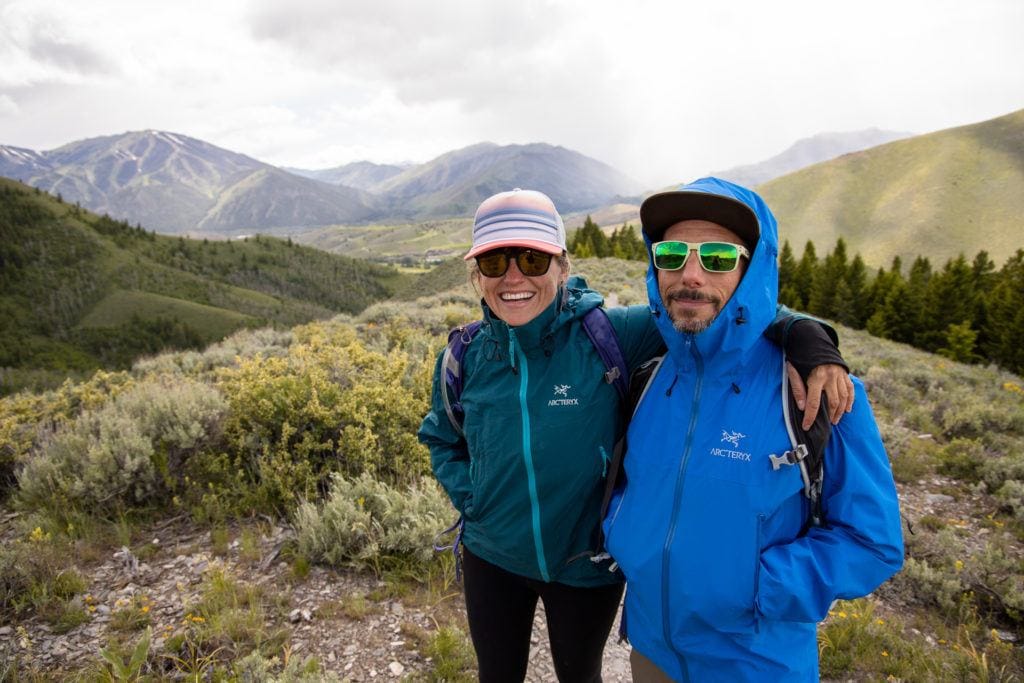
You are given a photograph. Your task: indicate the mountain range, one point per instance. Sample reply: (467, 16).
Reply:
(808, 151)
(175, 184)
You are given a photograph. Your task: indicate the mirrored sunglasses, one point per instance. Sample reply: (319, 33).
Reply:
(530, 262)
(715, 257)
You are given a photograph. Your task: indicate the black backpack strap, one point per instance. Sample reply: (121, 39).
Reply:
(451, 365)
(808, 447)
(602, 335)
(639, 382)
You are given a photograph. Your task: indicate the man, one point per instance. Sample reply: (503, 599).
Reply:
(725, 579)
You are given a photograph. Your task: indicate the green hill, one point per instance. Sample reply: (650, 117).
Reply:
(955, 191)
(80, 291)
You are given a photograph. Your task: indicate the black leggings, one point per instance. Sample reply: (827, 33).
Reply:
(500, 607)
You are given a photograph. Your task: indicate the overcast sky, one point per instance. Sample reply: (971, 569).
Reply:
(663, 91)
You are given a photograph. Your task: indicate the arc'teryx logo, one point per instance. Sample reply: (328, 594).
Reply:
(732, 438)
(562, 390)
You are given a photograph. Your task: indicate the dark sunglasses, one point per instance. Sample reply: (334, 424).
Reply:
(715, 257)
(532, 263)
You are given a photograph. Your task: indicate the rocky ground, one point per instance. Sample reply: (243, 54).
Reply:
(350, 621)
(342, 618)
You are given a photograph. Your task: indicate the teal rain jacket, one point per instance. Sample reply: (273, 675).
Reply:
(539, 429)
(721, 583)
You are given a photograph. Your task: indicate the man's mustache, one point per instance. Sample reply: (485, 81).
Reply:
(691, 295)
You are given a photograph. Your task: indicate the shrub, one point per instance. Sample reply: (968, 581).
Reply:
(330, 405)
(962, 459)
(364, 522)
(913, 459)
(27, 419)
(1011, 496)
(129, 452)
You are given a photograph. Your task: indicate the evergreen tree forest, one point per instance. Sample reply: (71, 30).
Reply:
(966, 311)
(590, 241)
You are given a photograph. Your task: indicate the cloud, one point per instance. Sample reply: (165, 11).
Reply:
(38, 46)
(425, 52)
(8, 107)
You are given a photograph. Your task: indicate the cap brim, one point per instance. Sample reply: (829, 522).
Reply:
(663, 210)
(545, 247)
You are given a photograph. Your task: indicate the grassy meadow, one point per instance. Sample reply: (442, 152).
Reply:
(314, 426)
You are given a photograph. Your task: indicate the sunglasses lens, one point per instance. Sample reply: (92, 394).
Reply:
(719, 257)
(533, 263)
(670, 255)
(493, 263)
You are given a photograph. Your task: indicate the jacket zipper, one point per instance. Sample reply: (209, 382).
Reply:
(531, 477)
(677, 502)
(757, 569)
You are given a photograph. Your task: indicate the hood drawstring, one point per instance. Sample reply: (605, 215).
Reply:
(668, 392)
(741, 315)
(735, 388)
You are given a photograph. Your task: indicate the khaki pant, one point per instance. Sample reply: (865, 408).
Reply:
(646, 671)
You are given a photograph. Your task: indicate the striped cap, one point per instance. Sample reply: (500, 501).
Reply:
(520, 218)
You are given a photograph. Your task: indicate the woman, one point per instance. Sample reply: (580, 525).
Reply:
(527, 470)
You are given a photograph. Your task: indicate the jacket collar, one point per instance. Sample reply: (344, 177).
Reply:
(571, 301)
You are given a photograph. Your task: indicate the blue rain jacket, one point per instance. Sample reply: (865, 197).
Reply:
(721, 584)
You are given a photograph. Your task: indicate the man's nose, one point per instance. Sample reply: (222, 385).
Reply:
(692, 272)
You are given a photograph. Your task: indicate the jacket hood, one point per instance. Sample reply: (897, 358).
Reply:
(751, 308)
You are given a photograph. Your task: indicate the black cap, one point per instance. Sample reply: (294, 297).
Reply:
(663, 210)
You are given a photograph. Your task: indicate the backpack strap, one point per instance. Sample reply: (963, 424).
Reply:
(451, 365)
(639, 382)
(602, 335)
(808, 450)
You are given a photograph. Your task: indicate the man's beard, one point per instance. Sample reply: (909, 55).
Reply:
(691, 325)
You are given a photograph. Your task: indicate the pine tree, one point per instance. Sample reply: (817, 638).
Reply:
(788, 294)
(857, 282)
(913, 322)
(949, 301)
(804, 280)
(983, 270)
(959, 343)
(825, 288)
(1005, 329)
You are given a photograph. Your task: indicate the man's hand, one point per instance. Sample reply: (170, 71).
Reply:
(833, 380)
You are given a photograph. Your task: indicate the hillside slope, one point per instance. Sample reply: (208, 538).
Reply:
(79, 291)
(954, 191)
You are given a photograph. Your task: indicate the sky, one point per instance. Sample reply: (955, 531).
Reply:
(662, 91)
